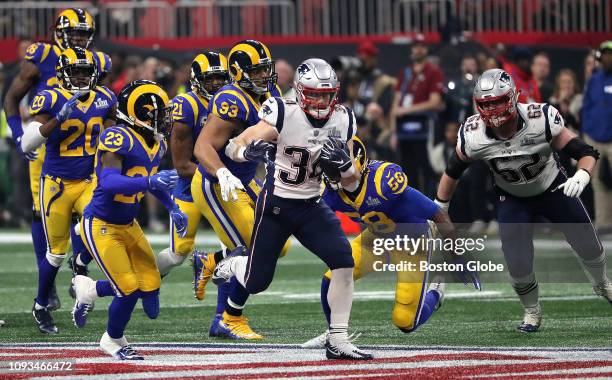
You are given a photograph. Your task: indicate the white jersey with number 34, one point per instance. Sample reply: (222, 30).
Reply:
(523, 165)
(297, 174)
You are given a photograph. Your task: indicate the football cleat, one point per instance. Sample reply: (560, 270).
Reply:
(339, 347)
(234, 327)
(54, 301)
(223, 270)
(319, 341)
(203, 266)
(76, 270)
(45, 322)
(119, 348)
(531, 320)
(214, 327)
(85, 289)
(604, 289)
(438, 285)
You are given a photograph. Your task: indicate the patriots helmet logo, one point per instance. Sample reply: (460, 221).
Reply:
(505, 78)
(303, 69)
(266, 110)
(557, 119)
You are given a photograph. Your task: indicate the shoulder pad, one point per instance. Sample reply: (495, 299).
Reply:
(271, 110)
(390, 180)
(276, 91)
(116, 139)
(184, 108)
(108, 93)
(34, 53)
(43, 102)
(230, 104)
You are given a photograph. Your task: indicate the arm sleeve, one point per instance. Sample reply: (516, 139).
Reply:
(164, 198)
(112, 181)
(455, 166)
(271, 112)
(419, 205)
(352, 124)
(553, 122)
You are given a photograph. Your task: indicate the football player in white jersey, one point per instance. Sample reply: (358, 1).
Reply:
(517, 141)
(306, 133)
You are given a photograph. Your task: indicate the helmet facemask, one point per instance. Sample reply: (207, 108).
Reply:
(78, 77)
(207, 84)
(80, 36)
(496, 111)
(317, 102)
(259, 78)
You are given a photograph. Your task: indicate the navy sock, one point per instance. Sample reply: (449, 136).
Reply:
(238, 296)
(119, 314)
(104, 288)
(150, 303)
(39, 240)
(429, 306)
(222, 293)
(78, 247)
(324, 290)
(219, 255)
(46, 279)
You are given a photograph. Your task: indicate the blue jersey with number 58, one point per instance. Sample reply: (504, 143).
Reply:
(384, 200)
(138, 160)
(71, 147)
(232, 103)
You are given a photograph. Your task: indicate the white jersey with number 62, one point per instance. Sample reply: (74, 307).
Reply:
(523, 165)
(297, 174)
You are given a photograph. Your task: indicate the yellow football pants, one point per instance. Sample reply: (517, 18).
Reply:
(123, 253)
(59, 198)
(35, 171)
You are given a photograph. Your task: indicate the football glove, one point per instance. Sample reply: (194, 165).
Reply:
(575, 185)
(179, 219)
(165, 180)
(466, 276)
(335, 153)
(257, 151)
(66, 110)
(229, 184)
(30, 156)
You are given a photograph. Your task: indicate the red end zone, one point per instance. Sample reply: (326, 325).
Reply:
(256, 361)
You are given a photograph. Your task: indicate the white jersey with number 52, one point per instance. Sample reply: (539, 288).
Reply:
(523, 165)
(297, 174)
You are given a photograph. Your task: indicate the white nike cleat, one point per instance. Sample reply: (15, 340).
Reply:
(223, 271)
(85, 294)
(339, 346)
(604, 289)
(437, 284)
(119, 348)
(531, 320)
(316, 342)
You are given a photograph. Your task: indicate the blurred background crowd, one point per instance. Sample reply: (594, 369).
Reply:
(409, 115)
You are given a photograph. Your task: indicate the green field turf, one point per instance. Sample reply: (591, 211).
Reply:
(289, 311)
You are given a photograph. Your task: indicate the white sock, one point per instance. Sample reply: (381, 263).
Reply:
(596, 269)
(527, 290)
(238, 268)
(79, 261)
(38, 307)
(166, 260)
(340, 299)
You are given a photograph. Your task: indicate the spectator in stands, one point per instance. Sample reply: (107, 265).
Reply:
(285, 77)
(375, 91)
(590, 64)
(567, 98)
(459, 104)
(520, 70)
(417, 102)
(540, 67)
(597, 129)
(130, 72)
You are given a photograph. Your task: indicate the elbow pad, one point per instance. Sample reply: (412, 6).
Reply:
(455, 166)
(576, 149)
(32, 139)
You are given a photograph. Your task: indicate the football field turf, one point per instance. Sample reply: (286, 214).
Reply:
(290, 312)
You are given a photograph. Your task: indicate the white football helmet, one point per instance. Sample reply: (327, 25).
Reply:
(316, 87)
(495, 96)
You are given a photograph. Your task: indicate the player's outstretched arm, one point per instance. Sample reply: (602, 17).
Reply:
(252, 144)
(19, 88)
(586, 155)
(182, 143)
(455, 167)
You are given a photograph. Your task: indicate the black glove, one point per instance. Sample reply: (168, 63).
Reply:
(335, 154)
(257, 151)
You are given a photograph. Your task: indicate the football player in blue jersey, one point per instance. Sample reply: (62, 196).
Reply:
(385, 203)
(68, 119)
(227, 197)
(74, 27)
(128, 157)
(190, 111)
